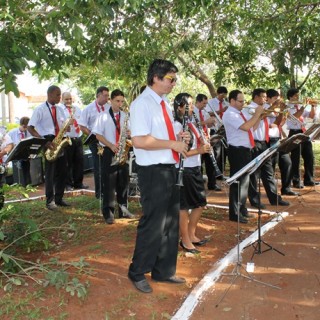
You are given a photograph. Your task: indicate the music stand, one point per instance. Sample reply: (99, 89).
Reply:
(26, 148)
(247, 169)
(91, 138)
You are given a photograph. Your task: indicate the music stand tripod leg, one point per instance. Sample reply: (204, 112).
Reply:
(236, 271)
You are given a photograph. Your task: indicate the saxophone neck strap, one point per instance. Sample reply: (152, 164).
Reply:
(117, 125)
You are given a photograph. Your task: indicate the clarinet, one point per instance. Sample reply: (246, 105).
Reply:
(216, 169)
(181, 159)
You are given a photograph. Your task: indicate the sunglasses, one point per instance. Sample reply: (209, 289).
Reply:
(172, 79)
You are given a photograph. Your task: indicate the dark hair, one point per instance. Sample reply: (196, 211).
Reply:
(291, 92)
(234, 94)
(24, 121)
(101, 89)
(257, 92)
(160, 68)
(52, 89)
(200, 97)
(116, 92)
(180, 100)
(272, 93)
(222, 89)
(142, 88)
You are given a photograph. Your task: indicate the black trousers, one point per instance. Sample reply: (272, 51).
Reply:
(96, 169)
(285, 166)
(266, 173)
(304, 150)
(238, 158)
(24, 165)
(205, 158)
(115, 180)
(75, 163)
(158, 229)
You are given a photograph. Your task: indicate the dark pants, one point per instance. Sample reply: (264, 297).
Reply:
(304, 149)
(209, 170)
(285, 166)
(238, 158)
(75, 163)
(158, 229)
(115, 181)
(96, 169)
(24, 165)
(266, 173)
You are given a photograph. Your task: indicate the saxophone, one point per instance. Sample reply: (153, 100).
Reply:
(59, 142)
(121, 157)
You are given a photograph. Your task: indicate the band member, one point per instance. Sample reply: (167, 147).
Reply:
(192, 193)
(305, 148)
(239, 131)
(46, 121)
(75, 150)
(216, 108)
(16, 135)
(157, 152)
(87, 120)
(111, 130)
(206, 121)
(261, 140)
(275, 131)
(6, 145)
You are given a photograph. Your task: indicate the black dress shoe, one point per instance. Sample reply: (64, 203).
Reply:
(201, 242)
(82, 186)
(247, 215)
(311, 183)
(173, 279)
(193, 251)
(258, 205)
(298, 185)
(142, 285)
(289, 193)
(214, 188)
(280, 203)
(242, 219)
(62, 203)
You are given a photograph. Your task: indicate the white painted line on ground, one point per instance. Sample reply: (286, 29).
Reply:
(210, 278)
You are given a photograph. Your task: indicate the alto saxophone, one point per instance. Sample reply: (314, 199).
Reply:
(59, 141)
(121, 157)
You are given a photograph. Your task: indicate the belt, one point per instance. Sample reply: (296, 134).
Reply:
(274, 139)
(159, 165)
(75, 138)
(238, 147)
(260, 141)
(295, 130)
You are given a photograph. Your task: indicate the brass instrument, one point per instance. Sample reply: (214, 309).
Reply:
(267, 112)
(312, 101)
(59, 141)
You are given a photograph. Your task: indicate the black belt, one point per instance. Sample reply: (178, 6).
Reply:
(75, 138)
(295, 130)
(260, 141)
(239, 147)
(159, 165)
(274, 139)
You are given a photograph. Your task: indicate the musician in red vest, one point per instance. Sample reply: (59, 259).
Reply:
(262, 140)
(157, 152)
(46, 121)
(75, 150)
(305, 148)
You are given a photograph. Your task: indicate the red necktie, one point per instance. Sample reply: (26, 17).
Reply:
(98, 109)
(75, 123)
(54, 116)
(205, 129)
(220, 109)
(21, 135)
(266, 128)
(117, 117)
(300, 118)
(249, 132)
(170, 129)
(195, 132)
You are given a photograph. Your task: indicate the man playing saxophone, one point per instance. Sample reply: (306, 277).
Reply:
(46, 121)
(111, 130)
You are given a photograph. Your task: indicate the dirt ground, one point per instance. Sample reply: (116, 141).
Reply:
(296, 274)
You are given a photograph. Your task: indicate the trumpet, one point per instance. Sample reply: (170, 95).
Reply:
(267, 112)
(312, 101)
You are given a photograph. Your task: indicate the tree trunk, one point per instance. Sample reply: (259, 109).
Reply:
(11, 106)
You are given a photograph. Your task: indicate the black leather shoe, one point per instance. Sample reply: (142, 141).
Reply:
(110, 220)
(62, 203)
(289, 193)
(173, 279)
(298, 185)
(242, 219)
(193, 251)
(280, 203)
(83, 186)
(214, 188)
(142, 285)
(201, 242)
(247, 215)
(311, 183)
(258, 205)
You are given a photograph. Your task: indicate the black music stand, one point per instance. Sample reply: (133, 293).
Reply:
(91, 138)
(252, 166)
(26, 148)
